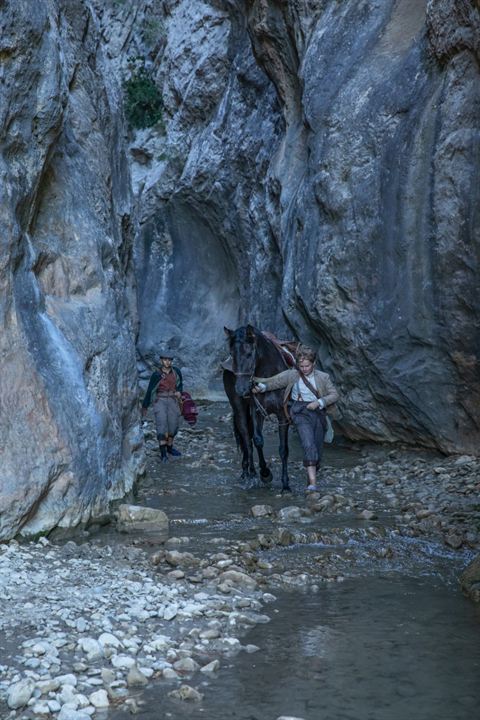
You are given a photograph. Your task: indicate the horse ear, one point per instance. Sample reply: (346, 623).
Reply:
(250, 332)
(228, 332)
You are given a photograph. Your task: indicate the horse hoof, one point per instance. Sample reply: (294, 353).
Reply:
(286, 489)
(266, 479)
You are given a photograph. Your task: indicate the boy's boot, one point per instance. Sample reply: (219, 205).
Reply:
(163, 454)
(173, 451)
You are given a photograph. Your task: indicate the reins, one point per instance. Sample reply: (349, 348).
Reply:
(265, 414)
(260, 408)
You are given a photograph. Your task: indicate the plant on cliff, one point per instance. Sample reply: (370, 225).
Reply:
(153, 31)
(142, 99)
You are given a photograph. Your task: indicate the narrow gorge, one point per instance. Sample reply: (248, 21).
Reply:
(313, 170)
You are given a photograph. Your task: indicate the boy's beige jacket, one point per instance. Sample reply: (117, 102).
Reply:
(288, 378)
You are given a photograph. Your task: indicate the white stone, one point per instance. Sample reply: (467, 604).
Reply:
(19, 694)
(42, 708)
(211, 667)
(69, 713)
(136, 677)
(46, 686)
(186, 664)
(91, 647)
(99, 699)
(170, 612)
(122, 661)
(68, 696)
(68, 679)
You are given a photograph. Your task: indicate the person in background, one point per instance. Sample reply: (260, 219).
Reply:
(165, 392)
(308, 392)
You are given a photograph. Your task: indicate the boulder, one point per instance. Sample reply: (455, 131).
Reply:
(137, 518)
(470, 580)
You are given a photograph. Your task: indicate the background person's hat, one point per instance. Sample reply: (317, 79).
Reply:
(165, 353)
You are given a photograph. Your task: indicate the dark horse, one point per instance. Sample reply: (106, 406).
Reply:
(255, 355)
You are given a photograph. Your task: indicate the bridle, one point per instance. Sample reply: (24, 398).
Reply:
(260, 408)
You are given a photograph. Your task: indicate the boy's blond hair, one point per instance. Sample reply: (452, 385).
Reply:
(306, 353)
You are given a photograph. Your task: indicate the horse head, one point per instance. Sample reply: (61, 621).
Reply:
(243, 349)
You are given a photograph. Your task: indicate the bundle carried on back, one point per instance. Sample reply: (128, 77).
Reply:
(189, 409)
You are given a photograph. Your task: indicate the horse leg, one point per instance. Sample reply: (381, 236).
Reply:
(283, 450)
(243, 447)
(244, 426)
(265, 472)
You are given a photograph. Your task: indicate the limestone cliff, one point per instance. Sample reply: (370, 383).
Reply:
(70, 437)
(318, 174)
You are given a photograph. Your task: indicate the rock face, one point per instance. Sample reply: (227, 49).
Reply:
(68, 385)
(318, 175)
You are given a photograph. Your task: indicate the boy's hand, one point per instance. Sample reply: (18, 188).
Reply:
(259, 388)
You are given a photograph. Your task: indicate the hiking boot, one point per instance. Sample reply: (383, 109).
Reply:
(163, 454)
(312, 488)
(173, 451)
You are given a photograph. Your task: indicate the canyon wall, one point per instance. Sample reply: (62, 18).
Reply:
(70, 438)
(316, 174)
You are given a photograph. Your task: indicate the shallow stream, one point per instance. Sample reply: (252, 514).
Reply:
(391, 637)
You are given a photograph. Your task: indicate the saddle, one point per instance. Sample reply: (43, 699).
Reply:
(288, 348)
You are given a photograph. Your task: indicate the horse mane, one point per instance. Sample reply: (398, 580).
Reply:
(272, 348)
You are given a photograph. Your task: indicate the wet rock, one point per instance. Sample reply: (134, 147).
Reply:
(122, 662)
(319, 504)
(261, 510)
(210, 633)
(135, 518)
(470, 580)
(239, 579)
(69, 713)
(174, 558)
(185, 665)
(210, 667)
(283, 536)
(187, 693)
(291, 512)
(176, 574)
(454, 541)
(367, 515)
(136, 677)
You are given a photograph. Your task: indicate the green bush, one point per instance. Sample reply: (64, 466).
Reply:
(143, 102)
(153, 30)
